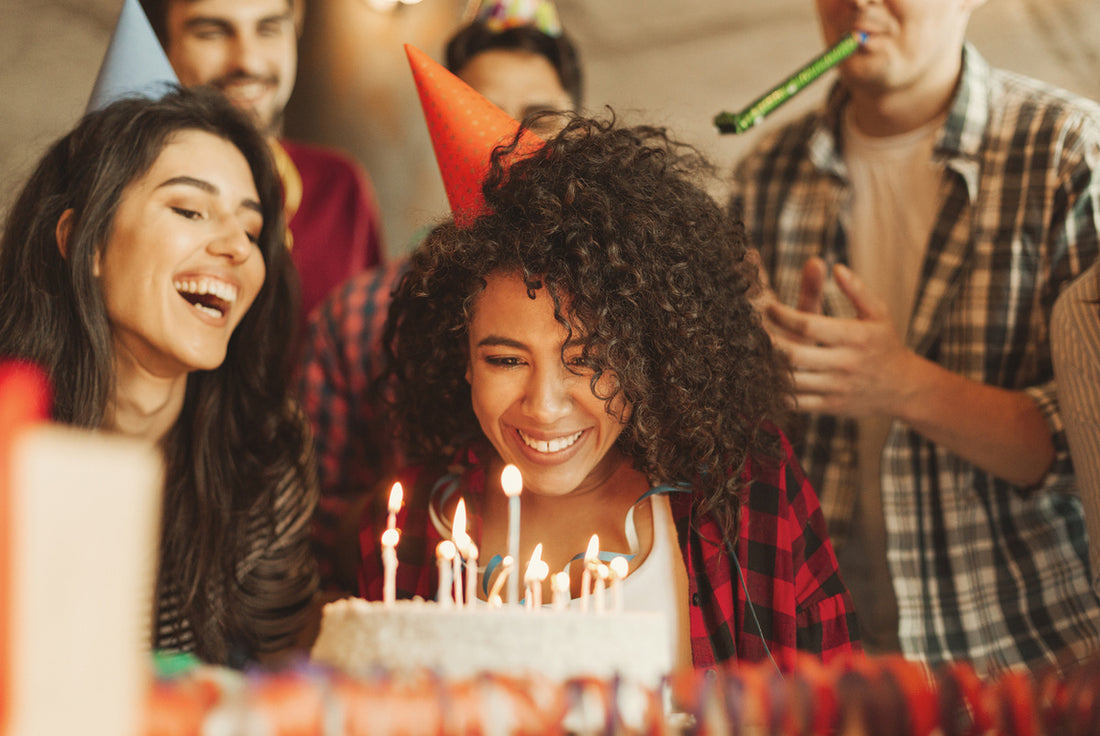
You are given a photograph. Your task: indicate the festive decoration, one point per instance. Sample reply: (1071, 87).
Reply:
(465, 128)
(504, 14)
(846, 697)
(134, 64)
(740, 122)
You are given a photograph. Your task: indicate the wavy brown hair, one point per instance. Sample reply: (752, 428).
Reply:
(238, 435)
(615, 222)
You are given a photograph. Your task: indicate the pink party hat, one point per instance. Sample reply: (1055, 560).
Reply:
(465, 128)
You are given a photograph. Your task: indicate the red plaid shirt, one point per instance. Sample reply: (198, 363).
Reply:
(789, 568)
(356, 452)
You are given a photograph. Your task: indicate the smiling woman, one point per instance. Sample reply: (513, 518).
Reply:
(144, 267)
(592, 327)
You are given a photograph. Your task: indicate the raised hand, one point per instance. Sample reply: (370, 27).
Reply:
(852, 367)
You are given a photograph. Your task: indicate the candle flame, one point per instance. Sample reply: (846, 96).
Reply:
(511, 481)
(533, 565)
(619, 568)
(458, 530)
(446, 550)
(560, 581)
(390, 537)
(593, 551)
(397, 495)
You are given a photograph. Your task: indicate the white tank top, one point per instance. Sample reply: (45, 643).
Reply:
(660, 583)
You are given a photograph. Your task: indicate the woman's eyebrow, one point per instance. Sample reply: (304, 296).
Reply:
(207, 187)
(498, 341)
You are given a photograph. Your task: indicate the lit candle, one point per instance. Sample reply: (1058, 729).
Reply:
(591, 555)
(461, 540)
(601, 575)
(471, 574)
(396, 496)
(539, 575)
(529, 576)
(505, 569)
(560, 589)
(444, 557)
(390, 538)
(619, 568)
(512, 483)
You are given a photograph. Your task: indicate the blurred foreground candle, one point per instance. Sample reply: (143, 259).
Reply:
(619, 568)
(396, 496)
(461, 540)
(559, 585)
(390, 537)
(506, 566)
(512, 483)
(444, 558)
(591, 556)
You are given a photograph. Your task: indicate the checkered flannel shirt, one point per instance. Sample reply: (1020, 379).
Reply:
(789, 567)
(983, 570)
(356, 453)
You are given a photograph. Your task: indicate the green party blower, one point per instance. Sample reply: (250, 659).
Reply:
(729, 122)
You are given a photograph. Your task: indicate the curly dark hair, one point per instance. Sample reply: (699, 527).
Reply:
(616, 223)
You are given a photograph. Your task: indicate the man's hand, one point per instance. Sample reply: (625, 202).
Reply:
(810, 295)
(860, 367)
(852, 367)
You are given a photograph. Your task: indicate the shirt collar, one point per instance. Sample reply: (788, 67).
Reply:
(960, 140)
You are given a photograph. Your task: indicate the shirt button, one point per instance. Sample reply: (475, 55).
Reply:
(695, 599)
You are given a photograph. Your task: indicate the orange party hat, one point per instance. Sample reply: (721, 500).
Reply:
(465, 129)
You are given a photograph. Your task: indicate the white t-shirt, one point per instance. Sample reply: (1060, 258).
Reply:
(895, 186)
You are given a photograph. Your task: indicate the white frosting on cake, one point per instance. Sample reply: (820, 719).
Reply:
(358, 636)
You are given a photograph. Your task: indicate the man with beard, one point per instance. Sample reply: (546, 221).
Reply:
(248, 50)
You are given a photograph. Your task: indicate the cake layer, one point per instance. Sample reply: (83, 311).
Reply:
(358, 636)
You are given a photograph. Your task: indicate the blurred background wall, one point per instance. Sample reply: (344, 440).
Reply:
(673, 63)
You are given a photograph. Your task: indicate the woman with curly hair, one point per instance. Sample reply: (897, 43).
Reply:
(593, 328)
(143, 267)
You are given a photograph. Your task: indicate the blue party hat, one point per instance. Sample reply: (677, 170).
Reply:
(135, 63)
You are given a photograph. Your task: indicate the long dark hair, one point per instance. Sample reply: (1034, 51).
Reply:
(616, 225)
(238, 433)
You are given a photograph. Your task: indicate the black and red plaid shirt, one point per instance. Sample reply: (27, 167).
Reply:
(790, 571)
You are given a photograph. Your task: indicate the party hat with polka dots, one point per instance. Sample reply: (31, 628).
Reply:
(465, 128)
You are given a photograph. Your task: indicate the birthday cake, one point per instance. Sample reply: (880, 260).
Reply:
(359, 637)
